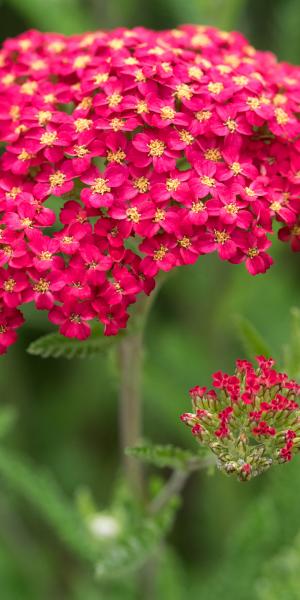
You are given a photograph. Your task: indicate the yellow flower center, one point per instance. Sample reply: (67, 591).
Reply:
(44, 116)
(160, 215)
(9, 285)
(249, 192)
(240, 80)
(142, 107)
(116, 124)
(42, 286)
(185, 242)
(50, 98)
(142, 184)
(26, 222)
(195, 72)
(80, 151)
(139, 76)
(197, 206)
(82, 125)
(57, 179)
(13, 192)
(231, 125)
(37, 65)
(45, 255)
(236, 168)
(172, 184)
(183, 91)
(14, 112)
(48, 138)
(252, 252)
(209, 181)
(203, 115)
(186, 137)
(75, 319)
(156, 148)
(29, 88)
(281, 116)
(253, 102)
(118, 156)
(114, 100)
(100, 78)
(160, 253)
(215, 87)
(86, 103)
(213, 154)
(167, 112)
(24, 155)
(232, 208)
(116, 44)
(221, 236)
(67, 240)
(81, 61)
(296, 230)
(100, 186)
(133, 214)
(276, 206)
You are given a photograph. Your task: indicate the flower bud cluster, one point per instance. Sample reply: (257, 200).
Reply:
(250, 420)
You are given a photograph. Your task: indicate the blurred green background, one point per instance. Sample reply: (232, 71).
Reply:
(231, 540)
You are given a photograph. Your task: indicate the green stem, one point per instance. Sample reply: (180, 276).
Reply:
(131, 356)
(130, 401)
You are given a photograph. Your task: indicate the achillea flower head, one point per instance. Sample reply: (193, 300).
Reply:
(134, 151)
(250, 420)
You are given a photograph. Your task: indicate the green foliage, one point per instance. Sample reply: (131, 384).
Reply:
(281, 576)
(292, 349)
(54, 345)
(253, 342)
(8, 418)
(169, 456)
(138, 543)
(42, 491)
(67, 17)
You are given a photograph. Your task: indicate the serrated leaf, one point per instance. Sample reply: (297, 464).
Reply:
(292, 350)
(54, 345)
(168, 456)
(253, 342)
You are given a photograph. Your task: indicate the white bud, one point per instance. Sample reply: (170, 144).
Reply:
(104, 526)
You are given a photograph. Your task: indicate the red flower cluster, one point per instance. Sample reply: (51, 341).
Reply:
(130, 152)
(251, 419)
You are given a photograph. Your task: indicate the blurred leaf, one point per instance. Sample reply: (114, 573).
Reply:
(168, 456)
(219, 13)
(253, 342)
(8, 417)
(281, 576)
(292, 350)
(54, 345)
(42, 491)
(137, 545)
(68, 17)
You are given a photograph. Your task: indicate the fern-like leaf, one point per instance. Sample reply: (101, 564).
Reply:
(54, 345)
(168, 456)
